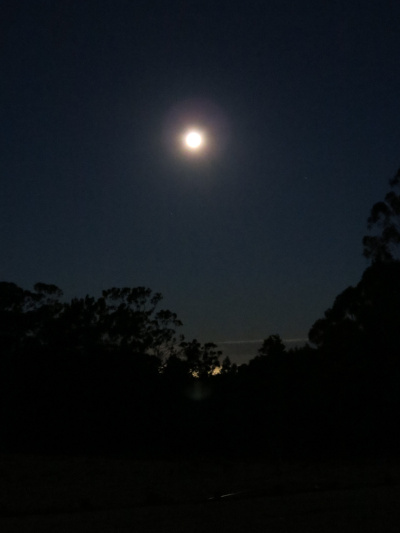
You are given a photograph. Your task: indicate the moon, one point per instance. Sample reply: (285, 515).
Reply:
(193, 140)
(196, 132)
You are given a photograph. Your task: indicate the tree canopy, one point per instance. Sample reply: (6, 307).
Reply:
(384, 224)
(364, 320)
(112, 373)
(127, 319)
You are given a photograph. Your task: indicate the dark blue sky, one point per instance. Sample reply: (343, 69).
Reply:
(258, 236)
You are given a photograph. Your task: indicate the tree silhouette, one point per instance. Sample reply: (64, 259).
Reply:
(272, 347)
(384, 222)
(268, 355)
(202, 360)
(83, 373)
(123, 319)
(363, 319)
(26, 316)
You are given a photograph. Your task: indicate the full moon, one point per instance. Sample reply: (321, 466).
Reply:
(193, 140)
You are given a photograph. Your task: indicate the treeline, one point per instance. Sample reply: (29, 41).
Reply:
(113, 375)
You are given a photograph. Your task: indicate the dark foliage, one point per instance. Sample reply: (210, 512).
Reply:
(384, 223)
(110, 375)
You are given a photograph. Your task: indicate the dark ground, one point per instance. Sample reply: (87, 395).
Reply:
(97, 494)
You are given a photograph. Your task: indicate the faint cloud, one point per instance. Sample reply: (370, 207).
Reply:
(257, 341)
(240, 342)
(242, 350)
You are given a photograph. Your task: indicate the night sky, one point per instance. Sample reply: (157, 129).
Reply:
(256, 234)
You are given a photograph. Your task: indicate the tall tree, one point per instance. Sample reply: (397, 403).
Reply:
(269, 355)
(364, 319)
(272, 347)
(384, 223)
(130, 319)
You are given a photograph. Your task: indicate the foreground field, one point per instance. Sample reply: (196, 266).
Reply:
(42, 494)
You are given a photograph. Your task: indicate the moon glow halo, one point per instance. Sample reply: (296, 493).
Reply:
(195, 132)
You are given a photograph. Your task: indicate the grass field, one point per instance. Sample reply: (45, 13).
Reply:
(94, 494)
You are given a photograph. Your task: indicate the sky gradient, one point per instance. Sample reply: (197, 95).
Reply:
(256, 237)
